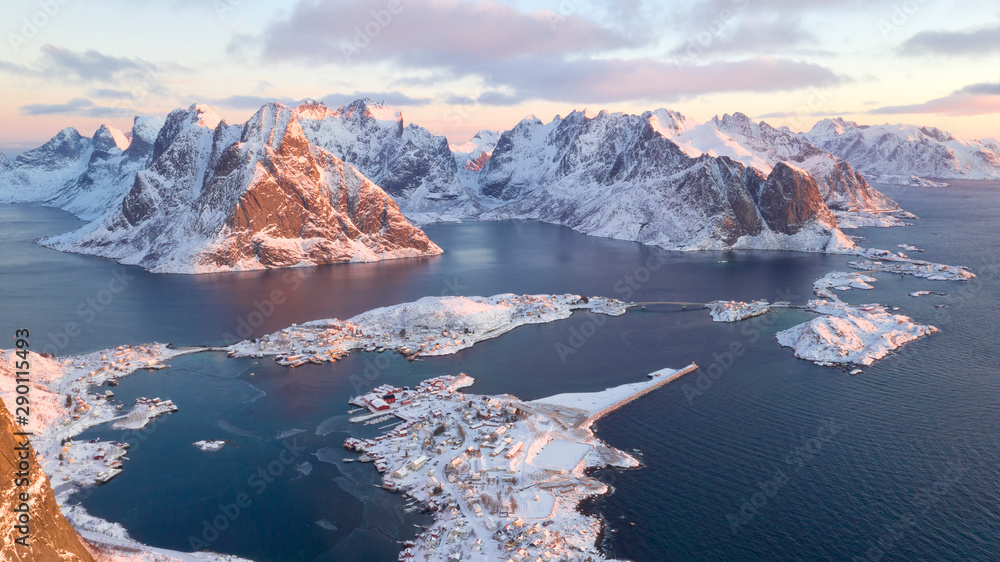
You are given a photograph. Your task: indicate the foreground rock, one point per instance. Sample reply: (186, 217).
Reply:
(47, 536)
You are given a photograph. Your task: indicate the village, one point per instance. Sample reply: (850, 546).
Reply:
(502, 476)
(75, 402)
(427, 327)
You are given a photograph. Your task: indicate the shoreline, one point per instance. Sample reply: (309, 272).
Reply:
(504, 477)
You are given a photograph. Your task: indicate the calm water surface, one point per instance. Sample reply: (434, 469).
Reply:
(908, 472)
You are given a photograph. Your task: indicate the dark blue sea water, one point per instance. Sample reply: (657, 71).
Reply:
(770, 458)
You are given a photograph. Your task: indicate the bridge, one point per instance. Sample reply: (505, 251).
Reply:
(666, 302)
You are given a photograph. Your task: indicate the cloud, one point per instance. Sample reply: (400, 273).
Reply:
(612, 80)
(331, 100)
(787, 114)
(64, 66)
(984, 88)
(436, 33)
(756, 33)
(536, 55)
(981, 41)
(391, 98)
(79, 107)
(250, 101)
(974, 99)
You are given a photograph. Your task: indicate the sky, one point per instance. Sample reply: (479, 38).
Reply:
(458, 66)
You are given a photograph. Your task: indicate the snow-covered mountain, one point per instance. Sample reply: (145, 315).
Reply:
(619, 176)
(907, 150)
(760, 145)
(414, 166)
(85, 176)
(474, 154)
(656, 178)
(219, 197)
(5, 163)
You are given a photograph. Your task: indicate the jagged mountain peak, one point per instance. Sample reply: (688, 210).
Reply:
(206, 116)
(251, 196)
(109, 139)
(5, 163)
(835, 125)
(667, 122)
(900, 150)
(367, 108)
(268, 124)
(145, 129)
(68, 145)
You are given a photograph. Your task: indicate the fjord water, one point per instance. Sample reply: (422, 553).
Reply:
(743, 465)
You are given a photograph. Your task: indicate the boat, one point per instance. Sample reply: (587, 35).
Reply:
(348, 460)
(364, 458)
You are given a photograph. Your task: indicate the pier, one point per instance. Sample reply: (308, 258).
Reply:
(664, 380)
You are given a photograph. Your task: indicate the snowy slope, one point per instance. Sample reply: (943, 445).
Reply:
(618, 176)
(472, 155)
(413, 166)
(38, 174)
(907, 150)
(220, 197)
(761, 146)
(110, 171)
(87, 177)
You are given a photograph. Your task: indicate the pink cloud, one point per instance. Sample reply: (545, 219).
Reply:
(954, 105)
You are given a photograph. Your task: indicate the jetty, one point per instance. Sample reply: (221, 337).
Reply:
(664, 379)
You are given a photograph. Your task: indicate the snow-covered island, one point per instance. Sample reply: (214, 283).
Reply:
(502, 476)
(429, 326)
(849, 334)
(884, 260)
(841, 281)
(733, 311)
(210, 445)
